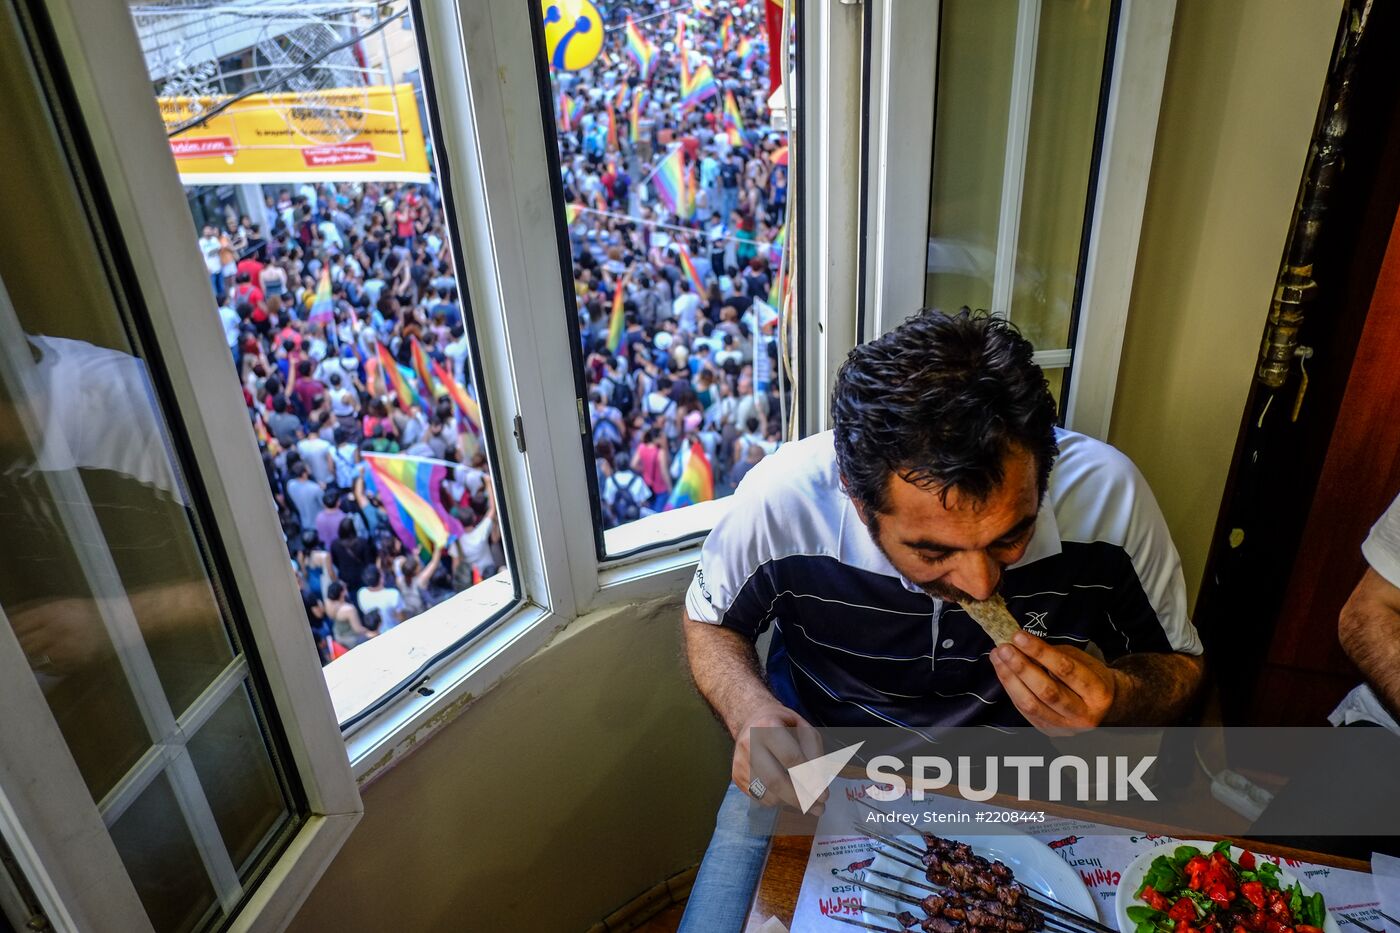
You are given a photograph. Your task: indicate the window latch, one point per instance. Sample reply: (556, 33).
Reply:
(518, 429)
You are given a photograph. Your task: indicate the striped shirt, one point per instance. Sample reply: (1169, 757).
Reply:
(856, 644)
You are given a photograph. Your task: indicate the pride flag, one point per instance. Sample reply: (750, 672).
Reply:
(640, 48)
(726, 31)
(408, 488)
(636, 116)
(568, 112)
(697, 482)
(697, 284)
(669, 179)
(467, 405)
(421, 368)
(374, 383)
(615, 320)
(700, 87)
(571, 213)
(733, 120)
(777, 292)
(747, 49)
(612, 127)
(399, 379)
(323, 305)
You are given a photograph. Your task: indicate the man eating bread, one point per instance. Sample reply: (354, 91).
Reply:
(945, 556)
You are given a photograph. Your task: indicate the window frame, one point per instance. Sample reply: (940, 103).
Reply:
(900, 153)
(490, 121)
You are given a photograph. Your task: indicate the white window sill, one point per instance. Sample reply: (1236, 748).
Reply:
(662, 532)
(367, 672)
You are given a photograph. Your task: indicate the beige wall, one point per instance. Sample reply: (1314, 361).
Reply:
(585, 778)
(1242, 92)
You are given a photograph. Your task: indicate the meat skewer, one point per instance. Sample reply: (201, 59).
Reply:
(862, 923)
(950, 913)
(954, 865)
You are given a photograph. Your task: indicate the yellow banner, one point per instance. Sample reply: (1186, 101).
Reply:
(342, 134)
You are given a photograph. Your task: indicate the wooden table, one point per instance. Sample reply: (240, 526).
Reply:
(787, 862)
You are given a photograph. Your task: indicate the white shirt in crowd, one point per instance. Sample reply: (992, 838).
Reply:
(387, 600)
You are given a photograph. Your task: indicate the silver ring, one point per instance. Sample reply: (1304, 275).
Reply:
(757, 788)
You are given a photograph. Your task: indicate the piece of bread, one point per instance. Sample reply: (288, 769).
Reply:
(996, 620)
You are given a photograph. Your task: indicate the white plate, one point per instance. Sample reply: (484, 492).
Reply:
(1137, 870)
(1033, 862)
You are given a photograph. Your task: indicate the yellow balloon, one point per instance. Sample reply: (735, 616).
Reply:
(573, 33)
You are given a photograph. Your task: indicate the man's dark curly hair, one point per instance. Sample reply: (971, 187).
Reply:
(938, 401)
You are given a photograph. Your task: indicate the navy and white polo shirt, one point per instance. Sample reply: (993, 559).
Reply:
(857, 644)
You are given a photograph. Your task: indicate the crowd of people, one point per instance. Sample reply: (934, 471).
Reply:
(318, 411)
(693, 368)
(696, 361)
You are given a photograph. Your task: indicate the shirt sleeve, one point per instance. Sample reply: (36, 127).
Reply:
(1382, 546)
(734, 583)
(1106, 506)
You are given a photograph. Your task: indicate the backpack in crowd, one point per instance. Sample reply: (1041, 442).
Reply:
(625, 507)
(621, 397)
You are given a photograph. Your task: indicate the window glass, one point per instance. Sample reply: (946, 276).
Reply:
(674, 176)
(108, 584)
(973, 192)
(303, 139)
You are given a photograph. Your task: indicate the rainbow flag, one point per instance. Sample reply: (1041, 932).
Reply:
(697, 482)
(669, 179)
(399, 379)
(571, 213)
(697, 284)
(703, 6)
(680, 38)
(408, 488)
(568, 112)
(373, 383)
(616, 321)
(323, 305)
(699, 88)
(733, 120)
(612, 127)
(640, 48)
(636, 116)
(421, 368)
(747, 49)
(726, 32)
(776, 292)
(467, 405)
(690, 193)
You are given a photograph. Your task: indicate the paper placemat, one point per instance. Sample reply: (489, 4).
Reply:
(1096, 852)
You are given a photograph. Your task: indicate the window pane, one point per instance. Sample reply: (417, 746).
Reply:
(160, 855)
(238, 779)
(675, 182)
(976, 99)
(303, 139)
(108, 579)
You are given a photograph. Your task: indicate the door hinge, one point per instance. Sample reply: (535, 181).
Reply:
(519, 430)
(582, 417)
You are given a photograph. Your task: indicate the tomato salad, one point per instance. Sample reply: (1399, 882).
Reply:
(1191, 891)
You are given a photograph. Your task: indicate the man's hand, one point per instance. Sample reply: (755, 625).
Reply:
(1059, 689)
(771, 740)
